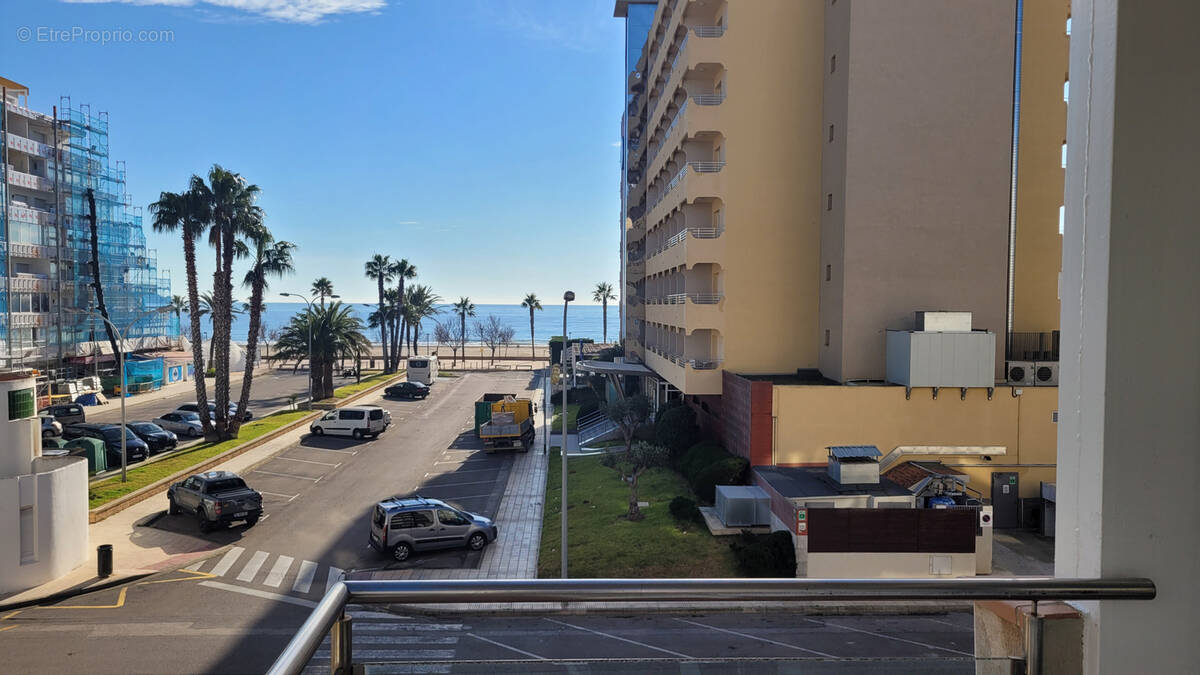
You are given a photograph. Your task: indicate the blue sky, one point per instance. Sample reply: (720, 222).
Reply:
(477, 138)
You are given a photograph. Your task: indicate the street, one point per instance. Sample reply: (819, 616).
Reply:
(233, 611)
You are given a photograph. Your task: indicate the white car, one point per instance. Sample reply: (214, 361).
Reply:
(359, 421)
(182, 423)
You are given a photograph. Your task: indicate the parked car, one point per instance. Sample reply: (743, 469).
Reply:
(413, 390)
(216, 498)
(50, 426)
(360, 421)
(212, 410)
(157, 438)
(65, 413)
(401, 526)
(186, 423)
(136, 449)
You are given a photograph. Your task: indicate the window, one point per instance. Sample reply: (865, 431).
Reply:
(830, 133)
(1064, 154)
(828, 272)
(829, 201)
(410, 519)
(376, 414)
(826, 337)
(833, 63)
(448, 517)
(225, 484)
(353, 414)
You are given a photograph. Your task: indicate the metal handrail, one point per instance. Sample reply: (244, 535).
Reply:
(331, 609)
(708, 31)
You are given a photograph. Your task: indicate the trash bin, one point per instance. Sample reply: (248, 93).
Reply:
(104, 560)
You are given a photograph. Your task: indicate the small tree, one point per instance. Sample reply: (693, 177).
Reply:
(631, 464)
(630, 414)
(490, 331)
(506, 338)
(675, 429)
(444, 334)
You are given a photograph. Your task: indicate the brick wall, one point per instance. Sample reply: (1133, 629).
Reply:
(747, 425)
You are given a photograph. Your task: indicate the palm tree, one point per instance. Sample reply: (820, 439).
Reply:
(233, 214)
(178, 308)
(207, 308)
(463, 308)
(336, 333)
(401, 270)
(379, 268)
(531, 303)
(602, 294)
(420, 304)
(271, 259)
(322, 288)
(188, 213)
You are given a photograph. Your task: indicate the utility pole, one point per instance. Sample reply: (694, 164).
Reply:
(567, 298)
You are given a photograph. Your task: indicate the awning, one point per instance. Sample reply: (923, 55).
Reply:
(613, 368)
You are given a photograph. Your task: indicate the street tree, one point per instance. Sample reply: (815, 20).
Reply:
(531, 302)
(631, 464)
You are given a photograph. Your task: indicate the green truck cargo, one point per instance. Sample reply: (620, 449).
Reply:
(504, 421)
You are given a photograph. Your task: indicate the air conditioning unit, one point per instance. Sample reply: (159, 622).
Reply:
(1020, 372)
(1045, 374)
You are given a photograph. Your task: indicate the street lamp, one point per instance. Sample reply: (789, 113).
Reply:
(121, 365)
(308, 301)
(567, 298)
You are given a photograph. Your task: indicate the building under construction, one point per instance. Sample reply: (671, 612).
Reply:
(50, 161)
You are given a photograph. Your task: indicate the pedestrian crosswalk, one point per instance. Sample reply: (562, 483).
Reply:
(396, 644)
(271, 570)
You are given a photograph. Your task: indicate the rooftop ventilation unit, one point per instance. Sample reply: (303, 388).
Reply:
(1045, 374)
(1019, 373)
(743, 506)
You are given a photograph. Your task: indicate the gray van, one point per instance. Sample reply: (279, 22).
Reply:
(65, 413)
(400, 526)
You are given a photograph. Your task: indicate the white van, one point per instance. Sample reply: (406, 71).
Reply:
(358, 421)
(423, 369)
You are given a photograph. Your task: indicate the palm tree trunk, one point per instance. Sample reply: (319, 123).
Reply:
(189, 258)
(463, 337)
(604, 319)
(224, 338)
(383, 329)
(327, 378)
(256, 294)
(532, 346)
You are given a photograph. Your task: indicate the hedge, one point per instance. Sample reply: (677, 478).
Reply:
(765, 556)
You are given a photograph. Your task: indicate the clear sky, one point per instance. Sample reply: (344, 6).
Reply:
(477, 138)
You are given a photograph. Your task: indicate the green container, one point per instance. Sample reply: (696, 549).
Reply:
(93, 449)
(53, 443)
(483, 409)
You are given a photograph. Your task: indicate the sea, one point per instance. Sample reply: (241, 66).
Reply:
(583, 321)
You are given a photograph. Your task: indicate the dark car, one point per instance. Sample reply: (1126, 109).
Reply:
(65, 413)
(136, 449)
(412, 390)
(215, 498)
(156, 437)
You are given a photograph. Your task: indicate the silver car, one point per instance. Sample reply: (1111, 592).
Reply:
(401, 526)
(182, 423)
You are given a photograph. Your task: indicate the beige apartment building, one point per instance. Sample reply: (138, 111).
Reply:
(804, 176)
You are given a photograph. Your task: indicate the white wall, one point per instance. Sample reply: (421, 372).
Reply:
(1130, 371)
(57, 527)
(889, 565)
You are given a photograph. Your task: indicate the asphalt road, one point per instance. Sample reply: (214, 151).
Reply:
(234, 611)
(270, 391)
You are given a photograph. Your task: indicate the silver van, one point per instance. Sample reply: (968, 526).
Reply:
(358, 421)
(401, 526)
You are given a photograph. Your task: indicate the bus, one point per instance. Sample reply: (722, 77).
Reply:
(423, 369)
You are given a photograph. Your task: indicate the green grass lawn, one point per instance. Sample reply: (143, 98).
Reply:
(604, 544)
(572, 414)
(141, 476)
(368, 381)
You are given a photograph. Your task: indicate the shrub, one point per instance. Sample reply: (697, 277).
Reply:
(684, 509)
(700, 456)
(675, 429)
(727, 471)
(772, 555)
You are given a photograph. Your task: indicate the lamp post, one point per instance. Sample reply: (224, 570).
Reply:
(308, 302)
(567, 298)
(121, 367)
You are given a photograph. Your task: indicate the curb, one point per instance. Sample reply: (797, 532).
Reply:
(141, 494)
(73, 592)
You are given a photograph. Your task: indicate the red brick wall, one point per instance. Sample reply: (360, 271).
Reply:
(781, 506)
(747, 425)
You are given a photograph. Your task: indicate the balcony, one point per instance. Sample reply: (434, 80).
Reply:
(30, 283)
(28, 145)
(696, 180)
(29, 181)
(682, 372)
(688, 248)
(688, 311)
(635, 271)
(30, 214)
(636, 231)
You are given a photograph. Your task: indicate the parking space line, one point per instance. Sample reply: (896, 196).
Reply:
(276, 494)
(275, 576)
(478, 482)
(616, 637)
(456, 497)
(755, 637)
(286, 475)
(465, 461)
(227, 561)
(889, 637)
(307, 461)
(252, 567)
(344, 452)
(467, 471)
(508, 647)
(260, 594)
(304, 578)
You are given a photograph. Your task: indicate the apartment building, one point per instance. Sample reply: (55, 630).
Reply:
(49, 163)
(802, 177)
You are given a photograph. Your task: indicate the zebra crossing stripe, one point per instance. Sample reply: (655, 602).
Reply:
(227, 561)
(335, 575)
(252, 567)
(275, 576)
(195, 567)
(308, 570)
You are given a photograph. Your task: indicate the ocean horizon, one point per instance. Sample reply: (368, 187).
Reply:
(583, 321)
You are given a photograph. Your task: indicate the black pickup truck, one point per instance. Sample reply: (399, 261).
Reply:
(215, 498)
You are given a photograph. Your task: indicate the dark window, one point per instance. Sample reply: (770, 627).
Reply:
(352, 414)
(376, 414)
(833, 63)
(378, 517)
(826, 337)
(225, 484)
(829, 201)
(830, 133)
(448, 517)
(411, 519)
(828, 272)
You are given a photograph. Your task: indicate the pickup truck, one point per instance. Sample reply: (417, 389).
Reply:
(216, 498)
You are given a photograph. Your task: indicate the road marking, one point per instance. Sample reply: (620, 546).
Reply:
(266, 595)
(307, 461)
(890, 637)
(9, 627)
(195, 567)
(10, 615)
(508, 647)
(466, 471)
(755, 637)
(275, 576)
(615, 637)
(478, 482)
(344, 452)
(286, 475)
(276, 494)
(119, 603)
(465, 461)
(335, 575)
(197, 575)
(375, 627)
(252, 567)
(402, 640)
(457, 497)
(395, 654)
(304, 579)
(227, 561)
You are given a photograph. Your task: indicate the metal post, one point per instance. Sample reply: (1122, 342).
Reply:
(567, 298)
(341, 654)
(124, 393)
(1034, 629)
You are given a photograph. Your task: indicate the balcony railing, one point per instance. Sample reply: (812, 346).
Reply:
(329, 617)
(708, 31)
(708, 99)
(694, 298)
(698, 167)
(670, 128)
